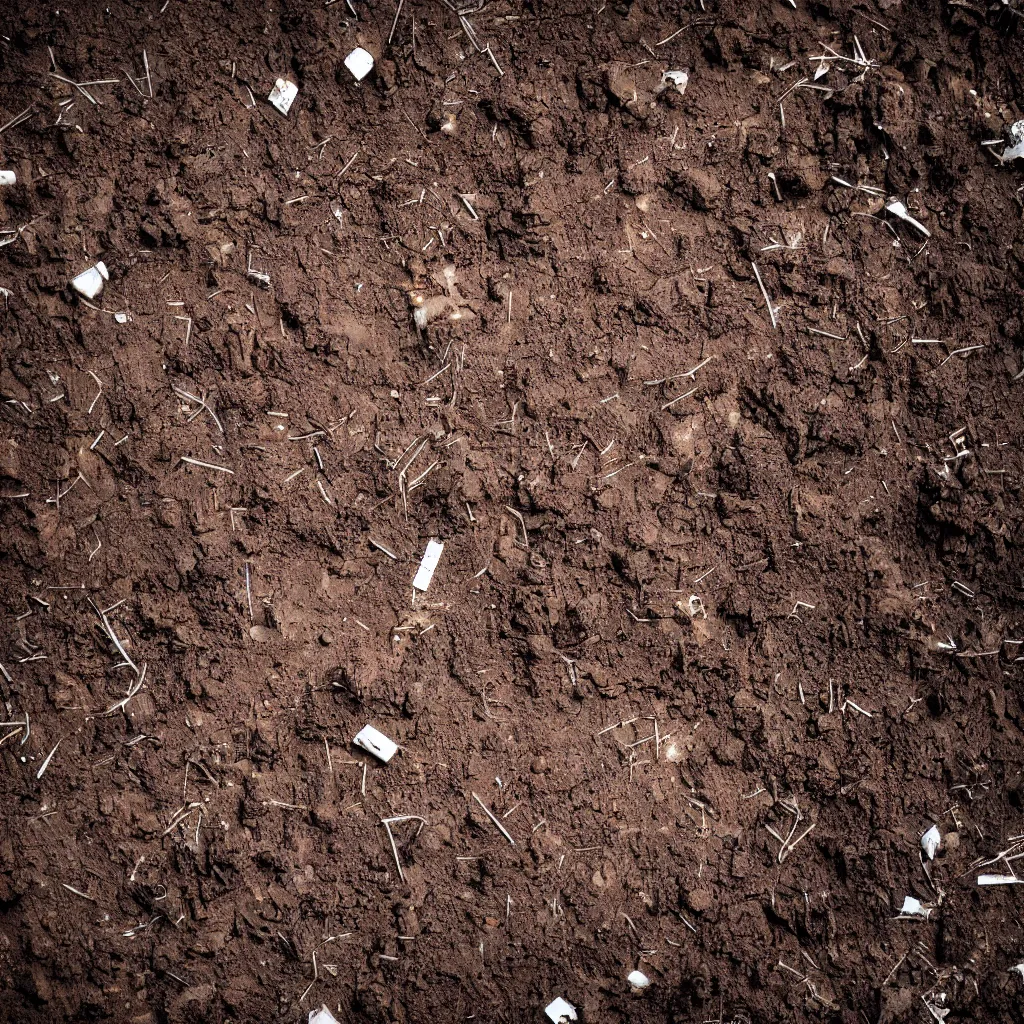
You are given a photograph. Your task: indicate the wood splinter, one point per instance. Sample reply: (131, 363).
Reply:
(388, 822)
(501, 828)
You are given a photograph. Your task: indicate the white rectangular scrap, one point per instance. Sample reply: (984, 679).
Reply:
(283, 95)
(560, 1011)
(376, 743)
(90, 282)
(360, 63)
(425, 573)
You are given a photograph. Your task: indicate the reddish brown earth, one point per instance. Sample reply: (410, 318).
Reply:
(799, 585)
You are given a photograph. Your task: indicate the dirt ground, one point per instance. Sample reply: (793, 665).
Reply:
(726, 459)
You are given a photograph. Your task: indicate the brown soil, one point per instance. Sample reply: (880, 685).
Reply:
(797, 587)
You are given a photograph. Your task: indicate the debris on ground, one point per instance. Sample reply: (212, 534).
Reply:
(90, 282)
(613, 409)
(376, 743)
(560, 1011)
(282, 96)
(360, 63)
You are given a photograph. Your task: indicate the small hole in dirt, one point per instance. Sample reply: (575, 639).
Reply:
(935, 704)
(841, 868)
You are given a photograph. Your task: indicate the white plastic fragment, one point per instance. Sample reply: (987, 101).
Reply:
(360, 63)
(90, 282)
(322, 1016)
(8, 177)
(931, 841)
(425, 573)
(638, 980)
(121, 318)
(678, 80)
(999, 880)
(283, 95)
(1019, 968)
(559, 1011)
(376, 743)
(897, 209)
(914, 908)
(1015, 137)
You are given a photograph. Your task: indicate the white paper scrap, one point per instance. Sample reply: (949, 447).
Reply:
(679, 80)
(930, 841)
(322, 1016)
(283, 95)
(425, 573)
(8, 177)
(376, 743)
(913, 908)
(90, 282)
(559, 1011)
(360, 63)
(1015, 149)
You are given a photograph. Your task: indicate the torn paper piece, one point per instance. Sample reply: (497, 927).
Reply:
(677, 80)
(930, 842)
(90, 282)
(360, 63)
(282, 96)
(8, 177)
(376, 743)
(1016, 138)
(322, 1016)
(914, 908)
(560, 1011)
(425, 573)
